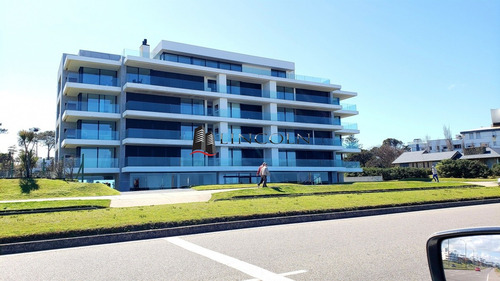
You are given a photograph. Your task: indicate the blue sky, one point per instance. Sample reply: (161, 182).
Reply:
(416, 65)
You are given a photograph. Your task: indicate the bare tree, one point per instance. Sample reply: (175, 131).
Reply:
(427, 143)
(48, 139)
(447, 137)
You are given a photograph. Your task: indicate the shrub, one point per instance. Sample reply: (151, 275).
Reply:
(396, 173)
(462, 169)
(495, 170)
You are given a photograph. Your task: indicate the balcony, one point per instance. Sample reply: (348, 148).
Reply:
(171, 161)
(91, 134)
(102, 163)
(92, 107)
(158, 134)
(245, 69)
(318, 163)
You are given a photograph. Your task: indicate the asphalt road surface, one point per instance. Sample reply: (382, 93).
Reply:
(387, 247)
(468, 275)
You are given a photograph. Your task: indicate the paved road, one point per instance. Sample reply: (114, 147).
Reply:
(388, 247)
(468, 275)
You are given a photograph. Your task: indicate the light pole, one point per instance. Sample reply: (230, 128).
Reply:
(465, 247)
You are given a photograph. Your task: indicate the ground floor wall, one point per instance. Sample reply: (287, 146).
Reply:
(146, 181)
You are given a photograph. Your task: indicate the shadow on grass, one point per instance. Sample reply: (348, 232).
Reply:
(28, 185)
(279, 189)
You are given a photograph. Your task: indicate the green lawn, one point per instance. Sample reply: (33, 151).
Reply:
(296, 189)
(35, 226)
(64, 204)
(18, 189)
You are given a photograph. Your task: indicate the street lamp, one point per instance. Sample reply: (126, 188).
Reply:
(465, 259)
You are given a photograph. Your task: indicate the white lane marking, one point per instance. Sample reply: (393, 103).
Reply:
(242, 266)
(284, 274)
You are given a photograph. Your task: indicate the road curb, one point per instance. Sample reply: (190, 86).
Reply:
(42, 245)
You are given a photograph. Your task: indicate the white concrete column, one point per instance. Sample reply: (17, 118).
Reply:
(270, 111)
(222, 107)
(269, 89)
(225, 138)
(222, 83)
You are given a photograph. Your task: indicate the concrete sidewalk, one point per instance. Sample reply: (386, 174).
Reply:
(143, 198)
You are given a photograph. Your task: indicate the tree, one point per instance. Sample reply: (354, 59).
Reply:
(351, 142)
(48, 139)
(395, 143)
(447, 137)
(384, 155)
(2, 130)
(495, 170)
(363, 157)
(27, 140)
(462, 169)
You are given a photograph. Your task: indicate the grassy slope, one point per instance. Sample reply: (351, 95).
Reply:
(53, 204)
(18, 189)
(278, 189)
(192, 213)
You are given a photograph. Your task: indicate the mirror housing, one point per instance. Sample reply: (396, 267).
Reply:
(434, 256)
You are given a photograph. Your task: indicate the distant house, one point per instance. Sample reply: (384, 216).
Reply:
(487, 155)
(424, 159)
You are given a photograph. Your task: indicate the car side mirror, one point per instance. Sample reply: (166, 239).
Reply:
(465, 254)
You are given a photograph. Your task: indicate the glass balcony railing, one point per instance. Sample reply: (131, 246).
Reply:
(245, 69)
(317, 163)
(158, 134)
(172, 161)
(92, 107)
(102, 80)
(92, 162)
(349, 126)
(351, 107)
(212, 161)
(91, 134)
(292, 97)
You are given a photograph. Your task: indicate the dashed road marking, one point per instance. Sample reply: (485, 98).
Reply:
(250, 269)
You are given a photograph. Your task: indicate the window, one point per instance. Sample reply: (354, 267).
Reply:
(478, 135)
(312, 96)
(201, 62)
(278, 73)
(244, 88)
(98, 76)
(285, 93)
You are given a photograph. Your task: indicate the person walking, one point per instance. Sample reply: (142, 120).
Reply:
(435, 173)
(264, 173)
(258, 173)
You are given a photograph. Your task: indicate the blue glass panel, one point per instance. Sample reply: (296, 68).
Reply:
(223, 65)
(132, 74)
(197, 61)
(144, 76)
(108, 77)
(198, 107)
(89, 75)
(211, 63)
(236, 67)
(184, 59)
(170, 57)
(312, 96)
(186, 107)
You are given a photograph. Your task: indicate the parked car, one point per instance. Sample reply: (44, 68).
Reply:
(477, 269)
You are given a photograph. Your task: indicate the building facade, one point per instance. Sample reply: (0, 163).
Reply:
(129, 120)
(482, 137)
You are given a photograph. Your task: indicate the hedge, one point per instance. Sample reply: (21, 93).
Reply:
(396, 173)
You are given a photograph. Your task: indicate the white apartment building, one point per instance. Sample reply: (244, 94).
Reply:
(129, 119)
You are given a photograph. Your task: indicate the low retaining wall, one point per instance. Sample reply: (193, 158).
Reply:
(363, 179)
